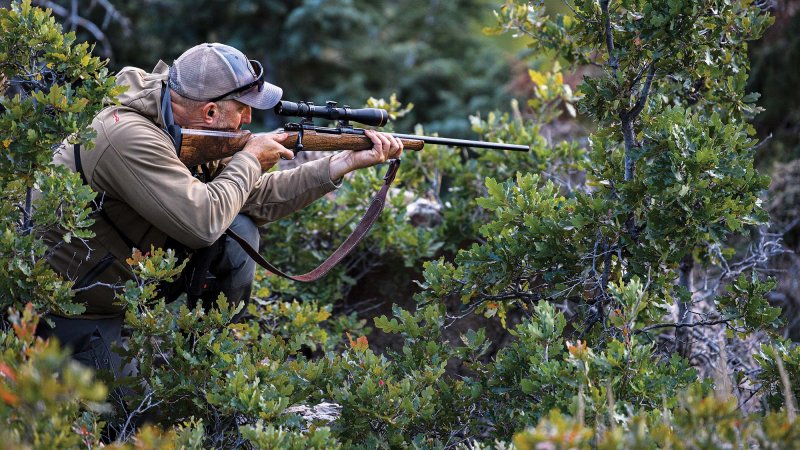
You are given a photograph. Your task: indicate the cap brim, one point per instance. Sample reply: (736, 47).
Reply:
(269, 96)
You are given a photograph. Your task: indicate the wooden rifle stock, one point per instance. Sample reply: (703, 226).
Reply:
(201, 146)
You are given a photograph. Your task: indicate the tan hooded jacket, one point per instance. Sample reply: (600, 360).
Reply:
(149, 194)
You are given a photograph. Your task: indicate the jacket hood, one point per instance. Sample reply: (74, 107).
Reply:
(144, 90)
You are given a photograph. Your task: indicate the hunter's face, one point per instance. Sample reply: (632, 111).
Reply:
(233, 115)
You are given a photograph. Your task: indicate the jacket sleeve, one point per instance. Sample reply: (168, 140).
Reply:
(278, 194)
(147, 175)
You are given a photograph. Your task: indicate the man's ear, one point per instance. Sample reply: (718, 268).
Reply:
(210, 111)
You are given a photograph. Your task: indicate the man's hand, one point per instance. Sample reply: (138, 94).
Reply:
(384, 146)
(268, 148)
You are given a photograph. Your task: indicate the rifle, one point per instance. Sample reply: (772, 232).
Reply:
(200, 146)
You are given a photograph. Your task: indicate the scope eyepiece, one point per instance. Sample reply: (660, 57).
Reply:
(367, 116)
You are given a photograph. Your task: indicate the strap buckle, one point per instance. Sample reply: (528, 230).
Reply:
(391, 172)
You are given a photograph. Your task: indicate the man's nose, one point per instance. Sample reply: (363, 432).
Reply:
(247, 115)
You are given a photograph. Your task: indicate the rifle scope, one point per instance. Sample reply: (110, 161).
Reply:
(368, 116)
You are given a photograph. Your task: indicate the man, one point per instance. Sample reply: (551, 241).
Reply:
(150, 198)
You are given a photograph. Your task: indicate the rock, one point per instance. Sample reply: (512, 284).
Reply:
(424, 213)
(323, 412)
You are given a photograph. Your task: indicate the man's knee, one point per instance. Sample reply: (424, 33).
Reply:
(246, 228)
(235, 259)
(224, 267)
(236, 270)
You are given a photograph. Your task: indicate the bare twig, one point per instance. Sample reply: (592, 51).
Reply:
(682, 337)
(27, 221)
(682, 325)
(628, 134)
(98, 284)
(145, 405)
(765, 247)
(762, 143)
(612, 59)
(640, 102)
(791, 408)
(611, 406)
(604, 281)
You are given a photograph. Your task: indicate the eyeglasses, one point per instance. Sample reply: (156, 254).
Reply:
(259, 81)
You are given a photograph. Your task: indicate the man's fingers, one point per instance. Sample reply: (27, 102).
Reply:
(286, 153)
(279, 137)
(396, 148)
(377, 144)
(266, 138)
(268, 148)
(386, 145)
(393, 146)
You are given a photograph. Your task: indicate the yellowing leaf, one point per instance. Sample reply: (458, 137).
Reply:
(538, 78)
(359, 344)
(7, 372)
(135, 258)
(8, 397)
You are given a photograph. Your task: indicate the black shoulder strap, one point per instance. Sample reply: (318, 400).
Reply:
(172, 129)
(79, 165)
(97, 206)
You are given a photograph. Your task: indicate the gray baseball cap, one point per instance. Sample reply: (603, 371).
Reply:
(214, 72)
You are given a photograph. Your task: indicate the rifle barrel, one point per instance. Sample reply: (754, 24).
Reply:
(463, 142)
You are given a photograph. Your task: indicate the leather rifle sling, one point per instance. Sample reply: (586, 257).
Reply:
(373, 211)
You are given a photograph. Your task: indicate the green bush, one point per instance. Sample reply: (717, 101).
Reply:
(52, 89)
(46, 399)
